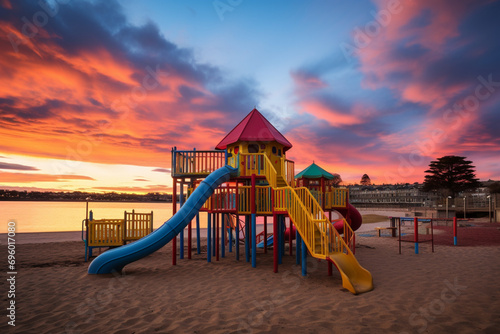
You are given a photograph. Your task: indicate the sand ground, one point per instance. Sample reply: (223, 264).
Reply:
(454, 290)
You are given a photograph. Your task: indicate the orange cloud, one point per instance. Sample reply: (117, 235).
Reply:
(20, 178)
(333, 117)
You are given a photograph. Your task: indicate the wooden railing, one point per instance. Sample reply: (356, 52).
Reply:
(263, 203)
(258, 164)
(336, 198)
(244, 199)
(224, 199)
(137, 225)
(105, 232)
(318, 233)
(339, 198)
(289, 171)
(199, 163)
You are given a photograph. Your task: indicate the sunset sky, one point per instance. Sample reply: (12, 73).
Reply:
(94, 94)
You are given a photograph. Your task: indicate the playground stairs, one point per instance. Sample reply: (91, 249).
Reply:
(281, 181)
(321, 239)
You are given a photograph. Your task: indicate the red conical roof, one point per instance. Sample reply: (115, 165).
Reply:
(254, 127)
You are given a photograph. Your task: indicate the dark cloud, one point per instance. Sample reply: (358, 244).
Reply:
(6, 165)
(162, 170)
(189, 93)
(420, 21)
(141, 180)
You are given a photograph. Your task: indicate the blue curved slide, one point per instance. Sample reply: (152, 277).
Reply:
(116, 259)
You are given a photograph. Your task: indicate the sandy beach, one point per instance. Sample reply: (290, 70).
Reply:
(454, 290)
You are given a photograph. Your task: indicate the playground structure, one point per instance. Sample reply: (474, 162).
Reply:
(248, 175)
(98, 233)
(416, 222)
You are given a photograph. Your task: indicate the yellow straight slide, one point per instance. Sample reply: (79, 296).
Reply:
(355, 278)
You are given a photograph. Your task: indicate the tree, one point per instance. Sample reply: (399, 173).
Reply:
(451, 174)
(365, 180)
(337, 180)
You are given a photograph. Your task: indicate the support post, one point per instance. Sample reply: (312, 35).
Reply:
(279, 242)
(174, 211)
(198, 248)
(217, 236)
(254, 225)
(214, 235)
(181, 234)
(298, 244)
(455, 230)
(230, 233)
(275, 242)
(254, 241)
(290, 237)
(265, 234)
(323, 190)
(399, 231)
(190, 239)
(223, 236)
(247, 238)
(415, 223)
(237, 234)
(304, 258)
(209, 237)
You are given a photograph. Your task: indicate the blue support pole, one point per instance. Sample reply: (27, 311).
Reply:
(209, 236)
(247, 238)
(284, 238)
(304, 258)
(254, 241)
(298, 243)
(214, 235)
(198, 248)
(237, 233)
(181, 235)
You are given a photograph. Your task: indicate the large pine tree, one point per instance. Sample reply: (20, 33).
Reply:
(451, 174)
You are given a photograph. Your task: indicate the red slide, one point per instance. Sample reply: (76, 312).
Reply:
(353, 217)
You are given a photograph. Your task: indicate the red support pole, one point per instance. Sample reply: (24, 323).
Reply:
(354, 243)
(290, 237)
(265, 234)
(329, 268)
(174, 211)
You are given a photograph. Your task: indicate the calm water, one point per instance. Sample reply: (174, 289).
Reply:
(68, 216)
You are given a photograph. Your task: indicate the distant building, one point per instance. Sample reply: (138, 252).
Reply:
(399, 195)
(478, 203)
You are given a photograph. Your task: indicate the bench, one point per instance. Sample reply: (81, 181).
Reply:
(115, 232)
(393, 230)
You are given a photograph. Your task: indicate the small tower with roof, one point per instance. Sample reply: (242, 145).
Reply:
(255, 134)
